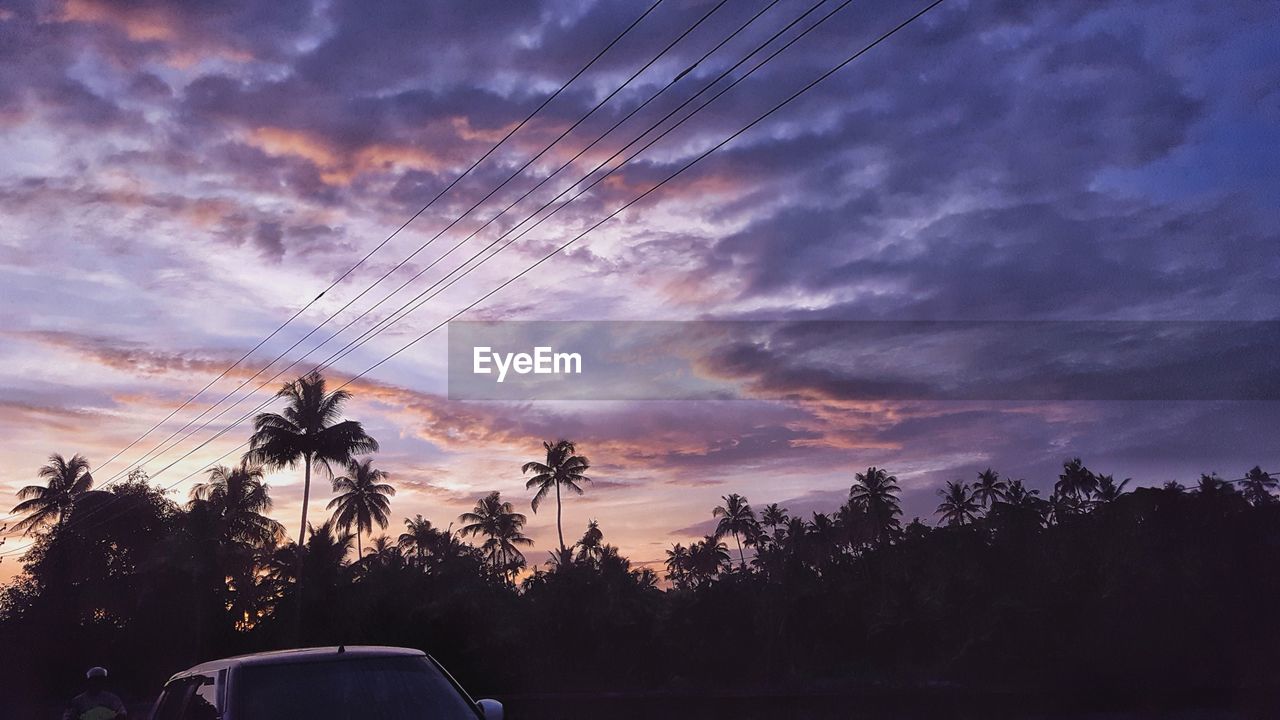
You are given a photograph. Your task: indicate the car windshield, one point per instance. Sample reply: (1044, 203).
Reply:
(379, 688)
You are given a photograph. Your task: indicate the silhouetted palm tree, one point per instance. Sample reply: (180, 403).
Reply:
(989, 488)
(563, 467)
(707, 559)
(420, 538)
(1019, 496)
(1211, 486)
(678, 564)
(958, 506)
(736, 518)
(1076, 480)
(591, 546)
(362, 500)
(240, 501)
(1259, 486)
(65, 481)
(875, 493)
(773, 517)
(383, 552)
(309, 431)
(1108, 490)
(502, 525)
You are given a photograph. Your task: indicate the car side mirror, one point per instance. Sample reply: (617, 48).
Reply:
(492, 709)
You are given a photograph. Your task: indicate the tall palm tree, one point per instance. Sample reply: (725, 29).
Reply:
(502, 525)
(65, 481)
(240, 501)
(736, 518)
(563, 467)
(990, 487)
(308, 431)
(875, 493)
(958, 506)
(362, 500)
(1258, 486)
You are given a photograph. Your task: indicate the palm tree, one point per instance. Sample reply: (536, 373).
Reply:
(958, 506)
(498, 521)
(309, 431)
(1019, 496)
(707, 559)
(736, 518)
(563, 467)
(773, 517)
(239, 500)
(875, 493)
(1213, 487)
(1258, 486)
(990, 488)
(678, 564)
(420, 537)
(384, 553)
(363, 499)
(591, 546)
(1076, 480)
(1108, 490)
(65, 481)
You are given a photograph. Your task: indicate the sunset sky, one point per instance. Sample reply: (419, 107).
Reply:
(177, 179)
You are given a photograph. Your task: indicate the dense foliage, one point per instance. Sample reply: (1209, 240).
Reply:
(1094, 586)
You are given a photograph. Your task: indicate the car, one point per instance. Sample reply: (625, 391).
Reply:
(326, 683)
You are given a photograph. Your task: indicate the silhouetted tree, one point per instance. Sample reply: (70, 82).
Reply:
(502, 525)
(1076, 481)
(1108, 490)
(65, 481)
(563, 468)
(591, 546)
(362, 499)
(1259, 486)
(958, 506)
(989, 488)
(875, 493)
(737, 519)
(308, 431)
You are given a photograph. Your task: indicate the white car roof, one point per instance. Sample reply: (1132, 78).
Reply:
(280, 657)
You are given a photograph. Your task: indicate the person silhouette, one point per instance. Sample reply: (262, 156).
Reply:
(95, 703)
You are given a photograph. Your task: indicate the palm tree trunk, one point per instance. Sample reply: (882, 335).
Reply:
(741, 558)
(306, 496)
(302, 543)
(559, 529)
(359, 551)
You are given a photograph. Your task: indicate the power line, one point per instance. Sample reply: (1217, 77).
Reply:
(810, 85)
(391, 319)
(160, 447)
(369, 254)
(157, 450)
(376, 330)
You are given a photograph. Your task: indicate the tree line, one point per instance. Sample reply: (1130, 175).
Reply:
(1093, 583)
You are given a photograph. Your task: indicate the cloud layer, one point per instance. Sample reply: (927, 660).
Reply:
(179, 178)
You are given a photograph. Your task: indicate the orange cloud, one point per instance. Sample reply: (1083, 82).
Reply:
(340, 166)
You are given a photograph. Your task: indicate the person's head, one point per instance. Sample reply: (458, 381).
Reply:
(96, 678)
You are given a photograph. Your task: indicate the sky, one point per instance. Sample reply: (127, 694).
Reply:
(177, 179)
